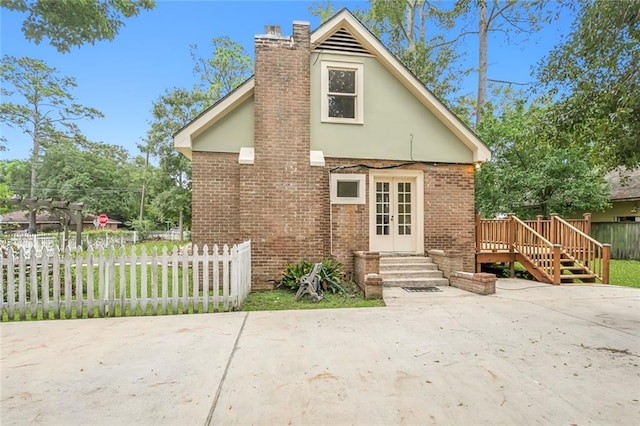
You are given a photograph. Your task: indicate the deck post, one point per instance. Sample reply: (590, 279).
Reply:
(606, 256)
(511, 232)
(552, 228)
(556, 263)
(478, 233)
(539, 219)
(587, 224)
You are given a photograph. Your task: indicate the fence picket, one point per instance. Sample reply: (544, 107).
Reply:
(11, 286)
(205, 278)
(22, 285)
(143, 279)
(79, 303)
(102, 284)
(195, 280)
(90, 286)
(225, 276)
(123, 282)
(111, 279)
(133, 283)
(67, 283)
(56, 283)
(185, 282)
(165, 281)
(33, 287)
(174, 279)
(216, 279)
(32, 281)
(45, 284)
(154, 281)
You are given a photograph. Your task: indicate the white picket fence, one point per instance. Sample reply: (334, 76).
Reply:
(109, 282)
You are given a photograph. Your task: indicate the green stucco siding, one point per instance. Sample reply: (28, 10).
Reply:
(396, 125)
(230, 133)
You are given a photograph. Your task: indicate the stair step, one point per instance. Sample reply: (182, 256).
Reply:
(420, 273)
(415, 282)
(572, 268)
(399, 260)
(576, 276)
(408, 267)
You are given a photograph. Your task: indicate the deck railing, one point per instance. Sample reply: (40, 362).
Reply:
(539, 251)
(545, 242)
(585, 250)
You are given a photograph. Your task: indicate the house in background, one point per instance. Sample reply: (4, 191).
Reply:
(625, 198)
(47, 221)
(331, 148)
(620, 225)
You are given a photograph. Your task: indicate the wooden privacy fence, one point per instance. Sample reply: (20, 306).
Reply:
(121, 282)
(624, 238)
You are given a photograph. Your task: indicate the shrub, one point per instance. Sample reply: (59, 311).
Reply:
(294, 272)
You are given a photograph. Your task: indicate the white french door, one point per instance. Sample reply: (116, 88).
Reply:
(395, 213)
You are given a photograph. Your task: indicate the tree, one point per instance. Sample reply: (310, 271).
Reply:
(73, 23)
(44, 108)
(595, 74)
(511, 18)
(170, 188)
(528, 173)
(96, 174)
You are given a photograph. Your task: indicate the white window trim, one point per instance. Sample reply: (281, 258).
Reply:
(359, 104)
(347, 177)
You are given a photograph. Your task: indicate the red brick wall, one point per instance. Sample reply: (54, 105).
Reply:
(281, 197)
(215, 205)
(449, 222)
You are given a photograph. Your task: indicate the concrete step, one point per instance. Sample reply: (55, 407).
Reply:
(391, 267)
(399, 260)
(416, 282)
(415, 273)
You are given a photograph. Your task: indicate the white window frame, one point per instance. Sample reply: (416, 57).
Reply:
(359, 95)
(347, 177)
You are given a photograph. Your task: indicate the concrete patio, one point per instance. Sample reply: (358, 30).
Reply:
(530, 354)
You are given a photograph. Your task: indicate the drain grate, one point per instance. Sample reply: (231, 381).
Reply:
(421, 289)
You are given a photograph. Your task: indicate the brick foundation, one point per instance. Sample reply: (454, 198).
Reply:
(479, 283)
(366, 268)
(448, 261)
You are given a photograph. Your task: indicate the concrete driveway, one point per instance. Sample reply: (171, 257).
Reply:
(530, 354)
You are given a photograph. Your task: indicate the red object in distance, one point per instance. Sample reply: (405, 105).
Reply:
(103, 219)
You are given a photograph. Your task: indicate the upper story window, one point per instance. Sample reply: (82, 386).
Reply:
(342, 97)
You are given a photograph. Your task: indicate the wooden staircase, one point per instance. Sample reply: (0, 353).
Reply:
(554, 251)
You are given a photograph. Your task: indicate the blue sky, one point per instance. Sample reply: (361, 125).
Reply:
(123, 77)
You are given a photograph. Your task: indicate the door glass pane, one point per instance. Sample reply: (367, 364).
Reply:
(404, 208)
(382, 208)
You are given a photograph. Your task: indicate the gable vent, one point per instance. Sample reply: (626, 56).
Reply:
(342, 41)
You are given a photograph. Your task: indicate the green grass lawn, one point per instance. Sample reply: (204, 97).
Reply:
(284, 299)
(625, 273)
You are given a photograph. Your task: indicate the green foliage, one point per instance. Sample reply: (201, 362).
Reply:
(594, 74)
(73, 23)
(293, 272)
(144, 227)
(529, 174)
(170, 185)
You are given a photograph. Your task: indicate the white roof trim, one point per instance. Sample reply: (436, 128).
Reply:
(316, 158)
(345, 19)
(184, 138)
(247, 155)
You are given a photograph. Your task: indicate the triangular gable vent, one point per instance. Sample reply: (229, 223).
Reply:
(342, 41)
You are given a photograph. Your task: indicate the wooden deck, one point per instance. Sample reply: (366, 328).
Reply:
(554, 251)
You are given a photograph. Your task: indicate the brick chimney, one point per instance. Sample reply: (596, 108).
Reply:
(279, 209)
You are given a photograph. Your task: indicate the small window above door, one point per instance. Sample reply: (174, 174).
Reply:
(347, 188)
